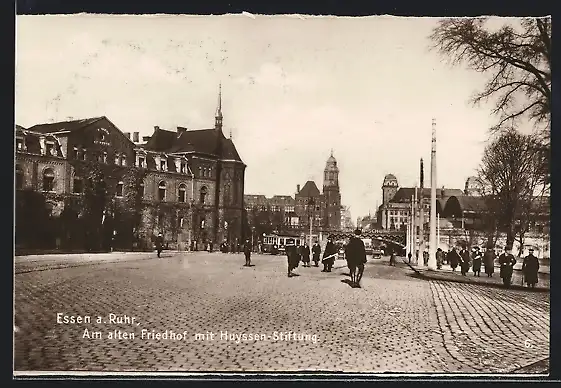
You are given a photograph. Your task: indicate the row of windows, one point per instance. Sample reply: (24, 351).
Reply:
(78, 186)
(274, 208)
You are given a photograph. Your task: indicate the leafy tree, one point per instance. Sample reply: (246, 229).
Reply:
(517, 58)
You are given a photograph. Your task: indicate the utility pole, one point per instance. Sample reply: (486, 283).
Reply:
(421, 262)
(432, 237)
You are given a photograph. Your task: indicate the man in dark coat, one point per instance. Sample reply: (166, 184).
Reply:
(316, 251)
(355, 254)
(247, 253)
(530, 268)
(464, 261)
(159, 243)
(489, 261)
(305, 254)
(292, 256)
(476, 261)
(507, 262)
(453, 258)
(329, 254)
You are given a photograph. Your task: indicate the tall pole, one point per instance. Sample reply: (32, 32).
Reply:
(432, 238)
(412, 227)
(421, 262)
(415, 224)
(408, 236)
(437, 231)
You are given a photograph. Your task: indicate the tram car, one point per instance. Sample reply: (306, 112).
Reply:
(275, 243)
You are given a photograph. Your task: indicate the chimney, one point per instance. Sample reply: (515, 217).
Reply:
(146, 138)
(297, 188)
(156, 128)
(180, 130)
(127, 135)
(135, 137)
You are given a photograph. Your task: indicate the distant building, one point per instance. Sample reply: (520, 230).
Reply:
(395, 209)
(346, 218)
(287, 213)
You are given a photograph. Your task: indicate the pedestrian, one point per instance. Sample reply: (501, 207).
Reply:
(530, 268)
(159, 244)
(316, 252)
(489, 261)
(476, 261)
(355, 253)
(426, 258)
(305, 254)
(247, 253)
(409, 256)
(392, 258)
(439, 258)
(292, 256)
(453, 258)
(329, 254)
(464, 261)
(507, 262)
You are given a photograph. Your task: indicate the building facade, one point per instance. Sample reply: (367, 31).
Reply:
(395, 209)
(190, 182)
(287, 214)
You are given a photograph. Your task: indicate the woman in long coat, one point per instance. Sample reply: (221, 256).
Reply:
(305, 254)
(453, 258)
(489, 261)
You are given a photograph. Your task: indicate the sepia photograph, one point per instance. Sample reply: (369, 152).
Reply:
(247, 194)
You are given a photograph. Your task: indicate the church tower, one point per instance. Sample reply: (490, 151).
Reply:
(332, 195)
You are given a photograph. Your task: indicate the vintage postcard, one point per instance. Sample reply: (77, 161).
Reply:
(291, 193)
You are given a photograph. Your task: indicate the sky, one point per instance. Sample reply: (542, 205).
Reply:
(293, 89)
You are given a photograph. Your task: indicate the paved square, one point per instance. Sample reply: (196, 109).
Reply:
(394, 323)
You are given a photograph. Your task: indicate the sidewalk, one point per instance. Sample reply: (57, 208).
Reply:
(446, 274)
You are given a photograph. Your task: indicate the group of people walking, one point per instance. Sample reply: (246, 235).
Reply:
(355, 254)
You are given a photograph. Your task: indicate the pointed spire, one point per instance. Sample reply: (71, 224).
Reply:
(332, 152)
(218, 116)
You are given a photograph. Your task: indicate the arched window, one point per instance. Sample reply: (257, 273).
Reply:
(48, 180)
(182, 193)
(162, 191)
(142, 190)
(202, 194)
(19, 177)
(119, 190)
(123, 160)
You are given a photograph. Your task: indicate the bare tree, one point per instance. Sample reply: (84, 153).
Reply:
(517, 58)
(511, 174)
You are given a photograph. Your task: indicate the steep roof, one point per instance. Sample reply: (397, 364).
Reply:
(64, 125)
(309, 190)
(201, 140)
(404, 194)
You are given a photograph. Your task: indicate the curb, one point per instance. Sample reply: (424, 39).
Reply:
(425, 276)
(537, 367)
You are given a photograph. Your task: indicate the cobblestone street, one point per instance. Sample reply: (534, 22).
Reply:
(395, 322)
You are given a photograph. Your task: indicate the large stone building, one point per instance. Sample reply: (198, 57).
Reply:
(395, 209)
(191, 186)
(287, 214)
